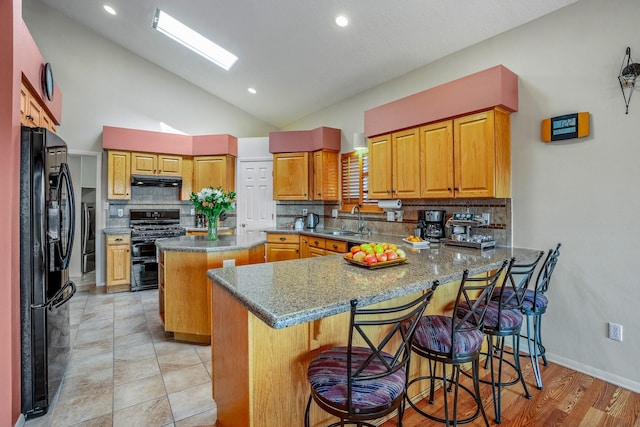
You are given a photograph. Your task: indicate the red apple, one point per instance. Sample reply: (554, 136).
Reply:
(391, 255)
(370, 259)
(381, 257)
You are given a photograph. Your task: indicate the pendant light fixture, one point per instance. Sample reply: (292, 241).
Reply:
(629, 72)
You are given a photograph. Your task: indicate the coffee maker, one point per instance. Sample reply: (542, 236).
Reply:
(431, 224)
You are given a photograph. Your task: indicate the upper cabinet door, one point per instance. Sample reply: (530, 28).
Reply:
(214, 171)
(169, 165)
(291, 176)
(436, 158)
(119, 179)
(475, 155)
(325, 175)
(380, 168)
(144, 164)
(406, 164)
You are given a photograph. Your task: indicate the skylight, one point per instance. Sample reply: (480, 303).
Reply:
(193, 40)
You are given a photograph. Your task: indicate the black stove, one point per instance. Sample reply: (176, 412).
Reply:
(146, 227)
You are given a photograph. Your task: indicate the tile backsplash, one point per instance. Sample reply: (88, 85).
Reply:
(498, 209)
(155, 198)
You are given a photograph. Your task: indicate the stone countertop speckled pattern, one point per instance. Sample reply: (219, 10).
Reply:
(287, 293)
(192, 228)
(355, 238)
(231, 242)
(112, 231)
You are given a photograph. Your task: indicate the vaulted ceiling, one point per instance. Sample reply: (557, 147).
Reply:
(291, 51)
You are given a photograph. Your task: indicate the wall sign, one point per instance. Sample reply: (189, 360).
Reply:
(569, 126)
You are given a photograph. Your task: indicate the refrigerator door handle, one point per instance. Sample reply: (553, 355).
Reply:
(63, 255)
(62, 296)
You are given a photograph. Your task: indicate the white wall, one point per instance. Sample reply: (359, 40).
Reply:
(580, 193)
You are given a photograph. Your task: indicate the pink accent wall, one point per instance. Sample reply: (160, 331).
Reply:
(496, 86)
(115, 138)
(305, 140)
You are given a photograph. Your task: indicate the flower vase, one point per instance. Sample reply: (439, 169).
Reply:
(212, 227)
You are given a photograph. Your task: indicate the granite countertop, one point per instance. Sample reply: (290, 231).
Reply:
(287, 293)
(246, 240)
(119, 230)
(355, 238)
(192, 228)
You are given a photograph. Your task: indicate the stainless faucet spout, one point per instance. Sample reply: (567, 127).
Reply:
(360, 220)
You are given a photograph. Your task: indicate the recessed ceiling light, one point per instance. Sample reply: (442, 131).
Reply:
(252, 91)
(109, 9)
(193, 40)
(342, 21)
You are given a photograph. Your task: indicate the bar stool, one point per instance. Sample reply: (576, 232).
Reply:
(455, 340)
(504, 319)
(534, 306)
(366, 379)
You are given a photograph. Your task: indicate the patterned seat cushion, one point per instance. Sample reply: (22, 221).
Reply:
(327, 375)
(509, 320)
(434, 334)
(541, 301)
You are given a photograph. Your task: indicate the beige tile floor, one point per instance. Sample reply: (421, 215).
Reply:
(125, 370)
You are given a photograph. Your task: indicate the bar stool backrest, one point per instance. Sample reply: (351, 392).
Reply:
(397, 322)
(475, 293)
(544, 276)
(515, 284)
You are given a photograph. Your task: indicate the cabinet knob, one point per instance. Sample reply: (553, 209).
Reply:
(448, 188)
(335, 246)
(315, 242)
(118, 239)
(456, 188)
(283, 239)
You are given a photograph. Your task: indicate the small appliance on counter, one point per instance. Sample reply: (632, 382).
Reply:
(299, 224)
(431, 224)
(312, 221)
(461, 224)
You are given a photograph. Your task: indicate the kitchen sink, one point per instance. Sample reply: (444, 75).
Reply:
(339, 232)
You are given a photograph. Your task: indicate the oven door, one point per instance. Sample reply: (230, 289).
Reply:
(144, 266)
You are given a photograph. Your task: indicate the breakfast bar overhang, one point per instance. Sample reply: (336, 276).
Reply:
(269, 320)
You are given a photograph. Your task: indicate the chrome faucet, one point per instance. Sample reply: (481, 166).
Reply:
(360, 220)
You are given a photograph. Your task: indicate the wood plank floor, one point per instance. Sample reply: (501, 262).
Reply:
(568, 398)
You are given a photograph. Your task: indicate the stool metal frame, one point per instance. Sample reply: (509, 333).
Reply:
(504, 306)
(383, 354)
(533, 312)
(462, 325)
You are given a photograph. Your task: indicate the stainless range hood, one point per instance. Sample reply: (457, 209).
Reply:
(156, 181)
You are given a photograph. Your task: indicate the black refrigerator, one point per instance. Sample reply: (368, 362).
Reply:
(46, 237)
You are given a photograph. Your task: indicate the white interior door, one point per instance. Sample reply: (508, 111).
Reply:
(255, 204)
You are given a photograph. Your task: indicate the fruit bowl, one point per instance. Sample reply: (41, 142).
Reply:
(379, 264)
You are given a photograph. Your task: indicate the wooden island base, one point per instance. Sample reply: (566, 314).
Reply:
(260, 373)
(184, 290)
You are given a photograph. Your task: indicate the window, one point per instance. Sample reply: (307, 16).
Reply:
(355, 181)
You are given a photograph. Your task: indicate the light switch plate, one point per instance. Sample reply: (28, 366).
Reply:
(120, 213)
(391, 216)
(334, 213)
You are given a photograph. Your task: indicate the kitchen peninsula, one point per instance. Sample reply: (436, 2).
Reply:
(270, 320)
(183, 288)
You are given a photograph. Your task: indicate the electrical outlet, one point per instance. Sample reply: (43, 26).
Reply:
(334, 213)
(486, 217)
(120, 213)
(193, 211)
(615, 331)
(228, 262)
(304, 211)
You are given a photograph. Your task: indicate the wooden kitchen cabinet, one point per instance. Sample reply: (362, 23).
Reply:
(468, 157)
(31, 112)
(156, 164)
(394, 165)
(282, 246)
(118, 263)
(326, 175)
(291, 176)
(306, 175)
(311, 246)
(436, 157)
(214, 171)
(119, 175)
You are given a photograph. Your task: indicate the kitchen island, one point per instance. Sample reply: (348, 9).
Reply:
(270, 320)
(183, 289)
